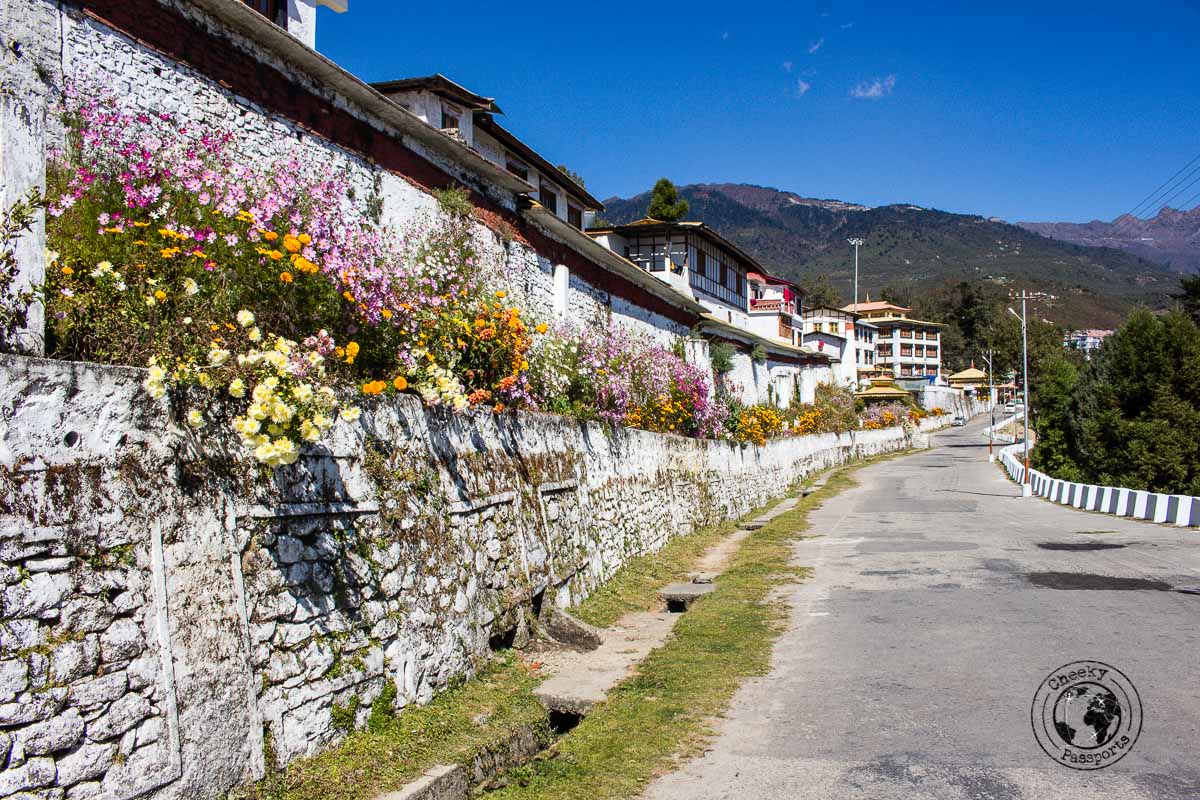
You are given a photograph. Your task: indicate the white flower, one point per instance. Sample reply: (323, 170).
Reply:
(245, 318)
(303, 393)
(195, 418)
(190, 287)
(237, 388)
(309, 432)
(51, 257)
(150, 301)
(254, 334)
(103, 269)
(67, 292)
(154, 388)
(217, 356)
(351, 414)
(187, 320)
(120, 285)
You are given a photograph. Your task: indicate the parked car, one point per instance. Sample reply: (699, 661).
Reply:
(1010, 408)
(959, 421)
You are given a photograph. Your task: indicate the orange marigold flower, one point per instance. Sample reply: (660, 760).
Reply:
(502, 294)
(542, 327)
(304, 238)
(401, 383)
(349, 297)
(291, 244)
(386, 313)
(286, 277)
(270, 236)
(374, 387)
(275, 255)
(507, 382)
(68, 271)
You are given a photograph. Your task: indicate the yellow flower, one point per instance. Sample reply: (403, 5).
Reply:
(160, 295)
(401, 383)
(303, 264)
(286, 277)
(190, 287)
(68, 271)
(254, 334)
(349, 297)
(195, 419)
(304, 238)
(542, 327)
(237, 388)
(291, 244)
(501, 294)
(245, 318)
(270, 236)
(351, 414)
(386, 313)
(275, 255)
(352, 349)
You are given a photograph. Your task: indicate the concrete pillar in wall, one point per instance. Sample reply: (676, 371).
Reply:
(562, 284)
(30, 64)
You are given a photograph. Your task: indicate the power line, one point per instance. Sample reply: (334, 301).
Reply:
(1193, 199)
(1172, 198)
(1165, 185)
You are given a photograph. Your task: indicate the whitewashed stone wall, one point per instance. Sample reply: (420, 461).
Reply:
(169, 610)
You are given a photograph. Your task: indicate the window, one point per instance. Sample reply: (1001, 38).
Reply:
(548, 198)
(274, 10)
(518, 169)
(449, 120)
(575, 216)
(701, 262)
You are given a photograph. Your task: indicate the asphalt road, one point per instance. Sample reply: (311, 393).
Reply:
(914, 652)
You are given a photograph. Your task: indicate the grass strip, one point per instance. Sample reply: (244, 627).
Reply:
(460, 723)
(664, 711)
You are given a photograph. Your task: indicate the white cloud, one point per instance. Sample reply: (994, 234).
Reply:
(815, 46)
(787, 66)
(802, 87)
(875, 88)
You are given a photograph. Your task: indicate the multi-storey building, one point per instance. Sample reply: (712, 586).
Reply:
(1088, 341)
(911, 348)
(844, 337)
(775, 306)
(471, 119)
(747, 307)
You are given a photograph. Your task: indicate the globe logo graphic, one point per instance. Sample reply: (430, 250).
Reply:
(1087, 715)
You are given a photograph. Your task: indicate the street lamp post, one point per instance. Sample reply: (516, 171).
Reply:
(1026, 489)
(856, 242)
(987, 359)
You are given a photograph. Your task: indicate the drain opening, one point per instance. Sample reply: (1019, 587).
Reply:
(1079, 547)
(562, 722)
(676, 606)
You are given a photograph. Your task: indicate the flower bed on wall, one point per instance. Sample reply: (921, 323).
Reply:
(269, 297)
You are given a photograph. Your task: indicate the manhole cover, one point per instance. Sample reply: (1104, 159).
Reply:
(1079, 547)
(1083, 581)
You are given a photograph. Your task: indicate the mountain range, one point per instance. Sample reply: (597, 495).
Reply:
(1170, 238)
(908, 247)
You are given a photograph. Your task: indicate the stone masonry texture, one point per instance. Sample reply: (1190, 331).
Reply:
(170, 613)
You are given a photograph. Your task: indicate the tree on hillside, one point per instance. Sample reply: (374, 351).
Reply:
(1189, 296)
(665, 203)
(820, 292)
(1132, 416)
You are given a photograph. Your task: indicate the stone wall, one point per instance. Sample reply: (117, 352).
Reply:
(173, 616)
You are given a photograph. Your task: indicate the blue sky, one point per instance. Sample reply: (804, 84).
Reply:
(1037, 111)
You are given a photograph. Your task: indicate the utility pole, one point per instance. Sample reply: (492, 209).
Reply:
(987, 359)
(1026, 488)
(856, 242)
